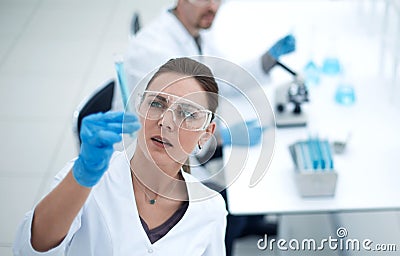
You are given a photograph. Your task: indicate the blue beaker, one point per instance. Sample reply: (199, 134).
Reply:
(331, 66)
(345, 94)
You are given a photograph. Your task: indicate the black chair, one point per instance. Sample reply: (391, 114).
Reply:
(135, 24)
(99, 101)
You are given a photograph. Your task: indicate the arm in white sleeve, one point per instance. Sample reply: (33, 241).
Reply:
(22, 245)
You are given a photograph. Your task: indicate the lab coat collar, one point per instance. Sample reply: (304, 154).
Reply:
(116, 189)
(177, 29)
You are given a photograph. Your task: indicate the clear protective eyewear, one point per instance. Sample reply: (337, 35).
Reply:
(204, 2)
(186, 114)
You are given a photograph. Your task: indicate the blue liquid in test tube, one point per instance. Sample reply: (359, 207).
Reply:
(119, 66)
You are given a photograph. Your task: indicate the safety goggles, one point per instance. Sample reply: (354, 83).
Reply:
(204, 2)
(186, 114)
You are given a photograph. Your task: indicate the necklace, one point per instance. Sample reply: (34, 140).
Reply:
(150, 200)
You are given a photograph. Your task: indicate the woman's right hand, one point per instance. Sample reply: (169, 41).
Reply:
(99, 132)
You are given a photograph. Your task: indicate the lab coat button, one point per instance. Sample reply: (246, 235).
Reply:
(150, 250)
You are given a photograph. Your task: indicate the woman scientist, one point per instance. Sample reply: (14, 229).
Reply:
(104, 203)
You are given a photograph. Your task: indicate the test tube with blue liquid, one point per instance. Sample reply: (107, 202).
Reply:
(119, 68)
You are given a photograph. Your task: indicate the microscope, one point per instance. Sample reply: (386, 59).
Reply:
(289, 98)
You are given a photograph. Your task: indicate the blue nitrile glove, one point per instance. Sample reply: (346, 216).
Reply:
(98, 133)
(242, 134)
(283, 46)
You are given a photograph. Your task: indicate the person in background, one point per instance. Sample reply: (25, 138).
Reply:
(108, 203)
(179, 31)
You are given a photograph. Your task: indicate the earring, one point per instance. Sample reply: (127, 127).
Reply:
(198, 144)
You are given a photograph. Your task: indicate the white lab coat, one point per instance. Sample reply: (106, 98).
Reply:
(109, 224)
(167, 38)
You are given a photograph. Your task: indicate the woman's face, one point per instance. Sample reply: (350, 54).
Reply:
(166, 140)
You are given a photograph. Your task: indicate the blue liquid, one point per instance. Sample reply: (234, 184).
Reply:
(311, 74)
(345, 95)
(119, 66)
(331, 66)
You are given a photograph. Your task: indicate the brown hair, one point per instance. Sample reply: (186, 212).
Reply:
(201, 73)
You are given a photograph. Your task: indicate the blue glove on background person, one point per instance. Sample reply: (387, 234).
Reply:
(242, 134)
(283, 46)
(99, 132)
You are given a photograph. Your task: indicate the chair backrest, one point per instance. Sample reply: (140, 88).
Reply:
(135, 24)
(99, 101)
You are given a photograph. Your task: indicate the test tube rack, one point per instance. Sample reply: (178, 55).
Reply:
(314, 167)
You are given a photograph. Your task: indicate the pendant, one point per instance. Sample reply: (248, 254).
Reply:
(152, 201)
